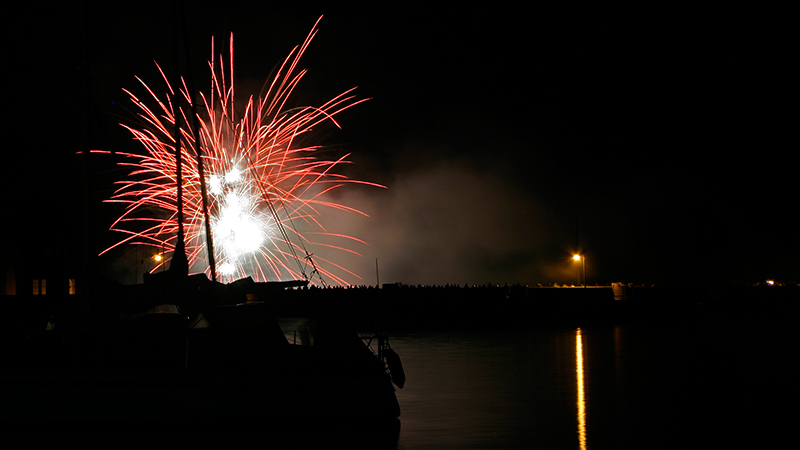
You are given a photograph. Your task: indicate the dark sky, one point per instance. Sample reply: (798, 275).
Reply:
(506, 135)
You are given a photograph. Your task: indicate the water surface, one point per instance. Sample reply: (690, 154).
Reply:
(690, 383)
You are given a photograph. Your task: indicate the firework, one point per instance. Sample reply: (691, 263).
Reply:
(263, 187)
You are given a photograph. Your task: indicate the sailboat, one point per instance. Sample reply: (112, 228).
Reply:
(199, 357)
(185, 347)
(181, 346)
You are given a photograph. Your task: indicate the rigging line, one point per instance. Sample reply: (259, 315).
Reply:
(282, 229)
(303, 245)
(199, 138)
(279, 223)
(308, 256)
(313, 264)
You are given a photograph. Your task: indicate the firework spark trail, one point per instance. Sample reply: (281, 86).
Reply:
(256, 177)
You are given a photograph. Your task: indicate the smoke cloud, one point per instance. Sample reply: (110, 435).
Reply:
(447, 223)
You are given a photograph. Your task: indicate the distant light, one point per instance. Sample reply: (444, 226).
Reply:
(158, 258)
(771, 282)
(577, 257)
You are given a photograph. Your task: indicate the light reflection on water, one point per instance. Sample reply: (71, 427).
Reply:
(626, 386)
(581, 388)
(489, 388)
(690, 384)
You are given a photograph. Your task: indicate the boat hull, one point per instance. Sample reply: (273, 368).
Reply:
(51, 397)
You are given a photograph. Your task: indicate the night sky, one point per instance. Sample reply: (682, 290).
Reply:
(508, 136)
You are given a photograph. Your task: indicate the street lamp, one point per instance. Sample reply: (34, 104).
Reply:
(159, 259)
(582, 259)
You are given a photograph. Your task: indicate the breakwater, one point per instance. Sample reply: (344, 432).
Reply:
(404, 307)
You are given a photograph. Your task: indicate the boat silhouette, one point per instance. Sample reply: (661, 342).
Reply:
(187, 348)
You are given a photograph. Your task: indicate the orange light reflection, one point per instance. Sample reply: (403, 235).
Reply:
(581, 390)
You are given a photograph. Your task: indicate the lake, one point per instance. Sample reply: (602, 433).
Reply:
(692, 383)
(647, 380)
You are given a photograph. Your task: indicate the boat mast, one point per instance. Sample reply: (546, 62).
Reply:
(212, 264)
(179, 265)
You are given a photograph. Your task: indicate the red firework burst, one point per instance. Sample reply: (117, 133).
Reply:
(258, 177)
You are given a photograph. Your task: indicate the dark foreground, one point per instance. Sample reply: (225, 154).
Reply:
(496, 368)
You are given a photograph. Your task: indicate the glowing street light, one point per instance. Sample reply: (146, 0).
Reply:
(582, 259)
(159, 259)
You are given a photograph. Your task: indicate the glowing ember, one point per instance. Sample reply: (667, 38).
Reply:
(258, 177)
